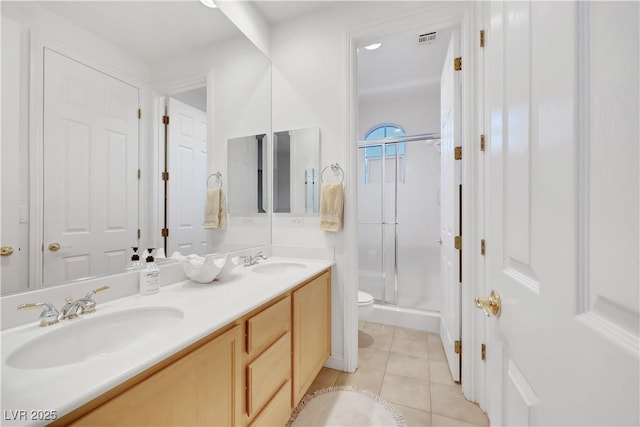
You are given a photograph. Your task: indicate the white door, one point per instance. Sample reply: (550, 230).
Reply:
(562, 244)
(187, 166)
(450, 212)
(90, 171)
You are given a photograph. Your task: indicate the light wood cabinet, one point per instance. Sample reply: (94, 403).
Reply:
(252, 373)
(201, 388)
(311, 332)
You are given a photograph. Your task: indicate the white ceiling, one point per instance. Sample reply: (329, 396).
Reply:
(401, 63)
(149, 30)
(276, 12)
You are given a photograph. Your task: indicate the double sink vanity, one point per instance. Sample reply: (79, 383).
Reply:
(239, 351)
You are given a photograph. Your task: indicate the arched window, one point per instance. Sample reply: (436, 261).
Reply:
(382, 132)
(373, 154)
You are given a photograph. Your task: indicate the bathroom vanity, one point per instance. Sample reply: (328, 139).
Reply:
(250, 368)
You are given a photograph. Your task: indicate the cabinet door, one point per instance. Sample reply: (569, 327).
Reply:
(202, 388)
(311, 332)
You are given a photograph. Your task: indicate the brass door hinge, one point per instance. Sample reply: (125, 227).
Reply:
(165, 176)
(482, 143)
(139, 114)
(457, 153)
(457, 347)
(457, 64)
(139, 174)
(481, 38)
(457, 243)
(139, 234)
(483, 247)
(165, 120)
(165, 232)
(483, 352)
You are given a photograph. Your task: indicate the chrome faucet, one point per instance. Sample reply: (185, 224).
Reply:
(249, 260)
(51, 316)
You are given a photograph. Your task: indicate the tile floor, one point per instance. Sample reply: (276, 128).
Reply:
(408, 369)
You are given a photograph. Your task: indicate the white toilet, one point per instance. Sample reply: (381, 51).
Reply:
(365, 304)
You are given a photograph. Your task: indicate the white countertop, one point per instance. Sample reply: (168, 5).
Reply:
(206, 307)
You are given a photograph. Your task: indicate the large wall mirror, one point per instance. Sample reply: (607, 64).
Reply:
(87, 162)
(296, 171)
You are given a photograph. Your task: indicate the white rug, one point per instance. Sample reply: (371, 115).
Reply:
(344, 406)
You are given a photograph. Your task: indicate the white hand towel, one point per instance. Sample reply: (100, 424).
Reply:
(215, 209)
(331, 207)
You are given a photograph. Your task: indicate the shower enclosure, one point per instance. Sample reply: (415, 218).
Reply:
(399, 221)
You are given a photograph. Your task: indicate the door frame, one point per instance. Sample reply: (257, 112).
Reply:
(467, 17)
(38, 42)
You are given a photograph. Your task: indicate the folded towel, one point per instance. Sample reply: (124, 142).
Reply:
(215, 209)
(331, 206)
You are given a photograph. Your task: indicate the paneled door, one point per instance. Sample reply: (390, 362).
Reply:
(90, 171)
(450, 212)
(187, 166)
(563, 217)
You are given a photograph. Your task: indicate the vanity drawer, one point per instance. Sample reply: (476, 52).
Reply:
(277, 411)
(267, 373)
(268, 325)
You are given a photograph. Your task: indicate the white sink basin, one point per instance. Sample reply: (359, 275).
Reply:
(278, 267)
(88, 337)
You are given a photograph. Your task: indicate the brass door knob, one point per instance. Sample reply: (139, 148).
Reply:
(491, 305)
(6, 250)
(53, 247)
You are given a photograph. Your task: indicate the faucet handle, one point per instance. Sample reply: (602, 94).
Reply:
(49, 315)
(98, 290)
(88, 304)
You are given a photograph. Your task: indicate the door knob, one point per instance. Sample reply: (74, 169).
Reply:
(53, 247)
(490, 305)
(6, 250)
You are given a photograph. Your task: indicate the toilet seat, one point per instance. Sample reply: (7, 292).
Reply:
(364, 298)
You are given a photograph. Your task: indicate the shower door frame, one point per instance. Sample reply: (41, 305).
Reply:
(383, 143)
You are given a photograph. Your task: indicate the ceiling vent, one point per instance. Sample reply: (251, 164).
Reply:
(427, 38)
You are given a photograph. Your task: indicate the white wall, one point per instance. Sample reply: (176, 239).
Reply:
(416, 109)
(310, 87)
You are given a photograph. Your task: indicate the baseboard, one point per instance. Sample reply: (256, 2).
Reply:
(335, 362)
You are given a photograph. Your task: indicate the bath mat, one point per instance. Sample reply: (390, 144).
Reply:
(344, 406)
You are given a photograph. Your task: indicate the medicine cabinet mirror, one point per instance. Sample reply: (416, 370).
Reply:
(296, 171)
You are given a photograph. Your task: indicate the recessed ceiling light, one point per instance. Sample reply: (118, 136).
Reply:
(372, 46)
(208, 3)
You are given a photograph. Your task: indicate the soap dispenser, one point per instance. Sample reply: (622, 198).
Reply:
(149, 277)
(135, 264)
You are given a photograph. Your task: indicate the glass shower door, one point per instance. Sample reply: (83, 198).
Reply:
(378, 174)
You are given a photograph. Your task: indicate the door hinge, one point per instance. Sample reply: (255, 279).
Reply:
(483, 352)
(457, 153)
(481, 38)
(165, 232)
(165, 176)
(165, 120)
(483, 247)
(139, 114)
(139, 234)
(457, 64)
(482, 143)
(457, 347)
(457, 242)
(139, 173)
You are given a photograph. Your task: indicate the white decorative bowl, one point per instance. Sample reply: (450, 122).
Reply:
(202, 269)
